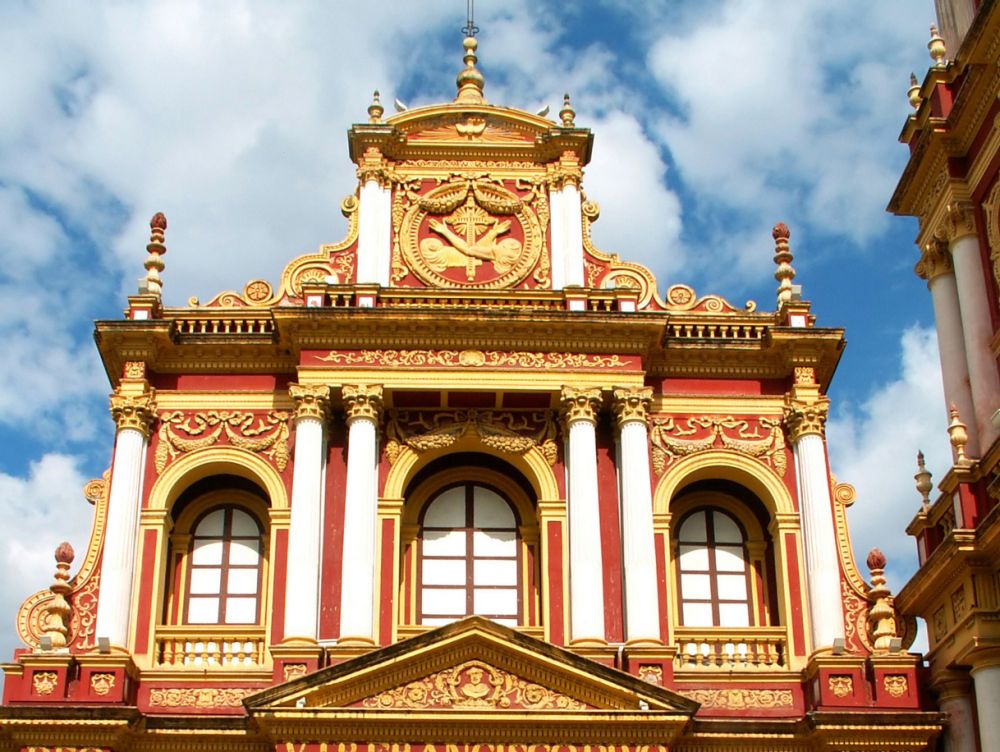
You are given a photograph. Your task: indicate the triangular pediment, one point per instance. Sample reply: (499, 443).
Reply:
(472, 665)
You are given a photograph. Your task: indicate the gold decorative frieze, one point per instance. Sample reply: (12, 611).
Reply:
(134, 412)
(841, 686)
(760, 439)
(44, 682)
(181, 433)
(134, 369)
(804, 417)
(198, 697)
(580, 404)
(504, 431)
(631, 404)
(310, 401)
(740, 699)
(472, 359)
(473, 684)
(363, 402)
(895, 685)
(102, 683)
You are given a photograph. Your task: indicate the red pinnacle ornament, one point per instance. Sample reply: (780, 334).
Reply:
(158, 222)
(65, 553)
(781, 231)
(876, 559)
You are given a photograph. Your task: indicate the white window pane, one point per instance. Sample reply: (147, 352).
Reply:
(693, 529)
(444, 543)
(437, 621)
(694, 557)
(241, 610)
(242, 582)
(726, 530)
(491, 601)
(732, 587)
(495, 572)
(447, 510)
(207, 552)
(697, 614)
(729, 559)
(695, 586)
(244, 552)
(244, 525)
(490, 510)
(491, 543)
(205, 581)
(203, 611)
(442, 601)
(211, 524)
(733, 615)
(437, 572)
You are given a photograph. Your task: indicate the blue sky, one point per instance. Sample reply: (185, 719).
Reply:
(713, 121)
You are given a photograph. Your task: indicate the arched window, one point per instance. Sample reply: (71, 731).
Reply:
(469, 559)
(714, 579)
(224, 568)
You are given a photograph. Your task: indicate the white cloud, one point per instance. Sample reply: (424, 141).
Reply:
(42, 509)
(873, 445)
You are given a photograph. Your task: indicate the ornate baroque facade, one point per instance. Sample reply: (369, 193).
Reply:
(463, 481)
(952, 185)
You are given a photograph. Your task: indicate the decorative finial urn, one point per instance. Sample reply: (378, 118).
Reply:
(936, 48)
(154, 264)
(924, 484)
(56, 621)
(470, 81)
(958, 435)
(913, 93)
(375, 109)
(783, 258)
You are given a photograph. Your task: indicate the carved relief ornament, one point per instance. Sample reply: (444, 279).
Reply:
(102, 683)
(44, 682)
(310, 401)
(673, 438)
(473, 359)
(135, 412)
(961, 220)
(580, 404)
(631, 404)
(804, 417)
(841, 686)
(198, 697)
(741, 699)
(935, 260)
(181, 432)
(363, 402)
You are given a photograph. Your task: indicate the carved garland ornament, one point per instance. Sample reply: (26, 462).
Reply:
(473, 684)
(472, 359)
(741, 699)
(180, 433)
(672, 439)
(198, 697)
(507, 432)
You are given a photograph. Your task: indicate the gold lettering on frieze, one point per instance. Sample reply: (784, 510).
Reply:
(181, 433)
(673, 439)
(472, 359)
(741, 699)
(198, 697)
(473, 684)
(504, 431)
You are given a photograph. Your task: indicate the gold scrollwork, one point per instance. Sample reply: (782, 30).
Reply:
(102, 683)
(44, 682)
(181, 433)
(741, 699)
(472, 359)
(841, 686)
(895, 684)
(672, 440)
(293, 671)
(198, 697)
(473, 684)
(507, 432)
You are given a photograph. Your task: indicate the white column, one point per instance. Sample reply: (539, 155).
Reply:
(567, 236)
(642, 602)
(374, 225)
(935, 266)
(133, 415)
(357, 602)
(986, 680)
(976, 323)
(805, 422)
(306, 524)
(586, 583)
(955, 701)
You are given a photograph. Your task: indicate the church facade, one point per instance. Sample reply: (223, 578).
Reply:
(465, 482)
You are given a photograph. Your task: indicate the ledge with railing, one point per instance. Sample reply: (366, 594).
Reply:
(224, 647)
(730, 649)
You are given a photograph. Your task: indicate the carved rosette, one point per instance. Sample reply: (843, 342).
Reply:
(310, 401)
(631, 404)
(580, 404)
(804, 417)
(363, 402)
(135, 412)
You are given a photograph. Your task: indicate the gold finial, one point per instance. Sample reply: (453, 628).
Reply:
(470, 81)
(375, 109)
(958, 436)
(567, 114)
(882, 614)
(913, 93)
(924, 484)
(57, 613)
(935, 46)
(156, 248)
(783, 258)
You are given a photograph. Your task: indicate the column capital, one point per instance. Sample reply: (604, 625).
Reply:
(363, 401)
(951, 683)
(310, 401)
(960, 220)
(134, 411)
(804, 417)
(580, 404)
(631, 404)
(934, 260)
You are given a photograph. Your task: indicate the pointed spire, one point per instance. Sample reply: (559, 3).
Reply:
(156, 248)
(936, 48)
(924, 484)
(375, 109)
(958, 436)
(783, 258)
(470, 81)
(913, 93)
(567, 114)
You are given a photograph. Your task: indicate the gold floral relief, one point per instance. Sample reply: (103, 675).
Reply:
(673, 439)
(198, 697)
(895, 685)
(472, 359)
(740, 699)
(841, 686)
(473, 684)
(181, 433)
(44, 682)
(102, 683)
